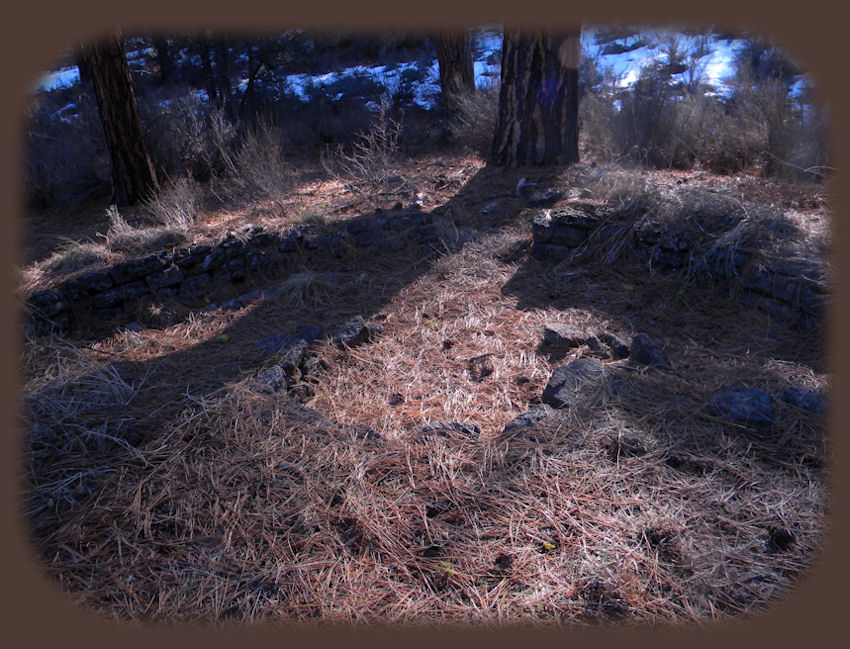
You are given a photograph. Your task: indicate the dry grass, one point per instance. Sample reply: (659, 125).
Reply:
(637, 507)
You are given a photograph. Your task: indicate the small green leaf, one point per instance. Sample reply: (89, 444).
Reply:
(430, 323)
(223, 338)
(628, 287)
(549, 546)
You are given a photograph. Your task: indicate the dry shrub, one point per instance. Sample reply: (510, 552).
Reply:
(176, 205)
(370, 169)
(475, 120)
(255, 168)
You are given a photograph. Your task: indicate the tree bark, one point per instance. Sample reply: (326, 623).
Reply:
(164, 59)
(222, 78)
(457, 76)
(538, 101)
(133, 175)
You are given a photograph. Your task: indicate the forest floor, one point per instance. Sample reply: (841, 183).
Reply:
(637, 506)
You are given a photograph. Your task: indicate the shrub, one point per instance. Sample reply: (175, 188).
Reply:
(475, 121)
(177, 204)
(369, 169)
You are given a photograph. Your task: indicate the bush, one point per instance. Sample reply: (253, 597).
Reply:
(475, 121)
(369, 169)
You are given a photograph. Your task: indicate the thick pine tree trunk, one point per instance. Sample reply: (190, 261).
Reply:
(457, 77)
(538, 102)
(133, 175)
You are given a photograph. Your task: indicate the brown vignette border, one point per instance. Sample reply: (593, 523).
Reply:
(35, 612)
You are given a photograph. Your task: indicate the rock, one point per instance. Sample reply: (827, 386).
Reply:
(646, 351)
(272, 380)
(194, 286)
(46, 303)
(743, 405)
(549, 251)
(356, 332)
(567, 384)
(529, 417)
(171, 276)
(619, 348)
(804, 399)
(566, 231)
(290, 351)
(88, 284)
(137, 268)
(480, 367)
(455, 430)
(563, 335)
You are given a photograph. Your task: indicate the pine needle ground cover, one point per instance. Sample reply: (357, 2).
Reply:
(163, 483)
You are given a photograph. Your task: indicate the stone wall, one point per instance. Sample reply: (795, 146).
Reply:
(792, 290)
(192, 274)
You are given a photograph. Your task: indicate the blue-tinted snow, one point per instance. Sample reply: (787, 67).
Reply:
(716, 66)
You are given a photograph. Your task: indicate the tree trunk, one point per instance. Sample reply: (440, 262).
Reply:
(164, 59)
(209, 78)
(133, 175)
(538, 102)
(457, 77)
(222, 78)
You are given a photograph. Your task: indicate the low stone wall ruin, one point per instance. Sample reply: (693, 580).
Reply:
(791, 290)
(190, 274)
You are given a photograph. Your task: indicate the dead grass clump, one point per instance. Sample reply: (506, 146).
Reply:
(123, 237)
(257, 168)
(74, 256)
(176, 206)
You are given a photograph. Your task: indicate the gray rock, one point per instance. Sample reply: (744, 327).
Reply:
(46, 303)
(619, 348)
(646, 351)
(290, 351)
(569, 382)
(565, 335)
(89, 284)
(171, 276)
(273, 379)
(529, 417)
(127, 271)
(356, 332)
(743, 405)
(549, 251)
(195, 286)
(805, 399)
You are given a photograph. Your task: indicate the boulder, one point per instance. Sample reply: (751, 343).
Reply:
(803, 399)
(646, 351)
(619, 348)
(569, 383)
(742, 405)
(356, 332)
(563, 335)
